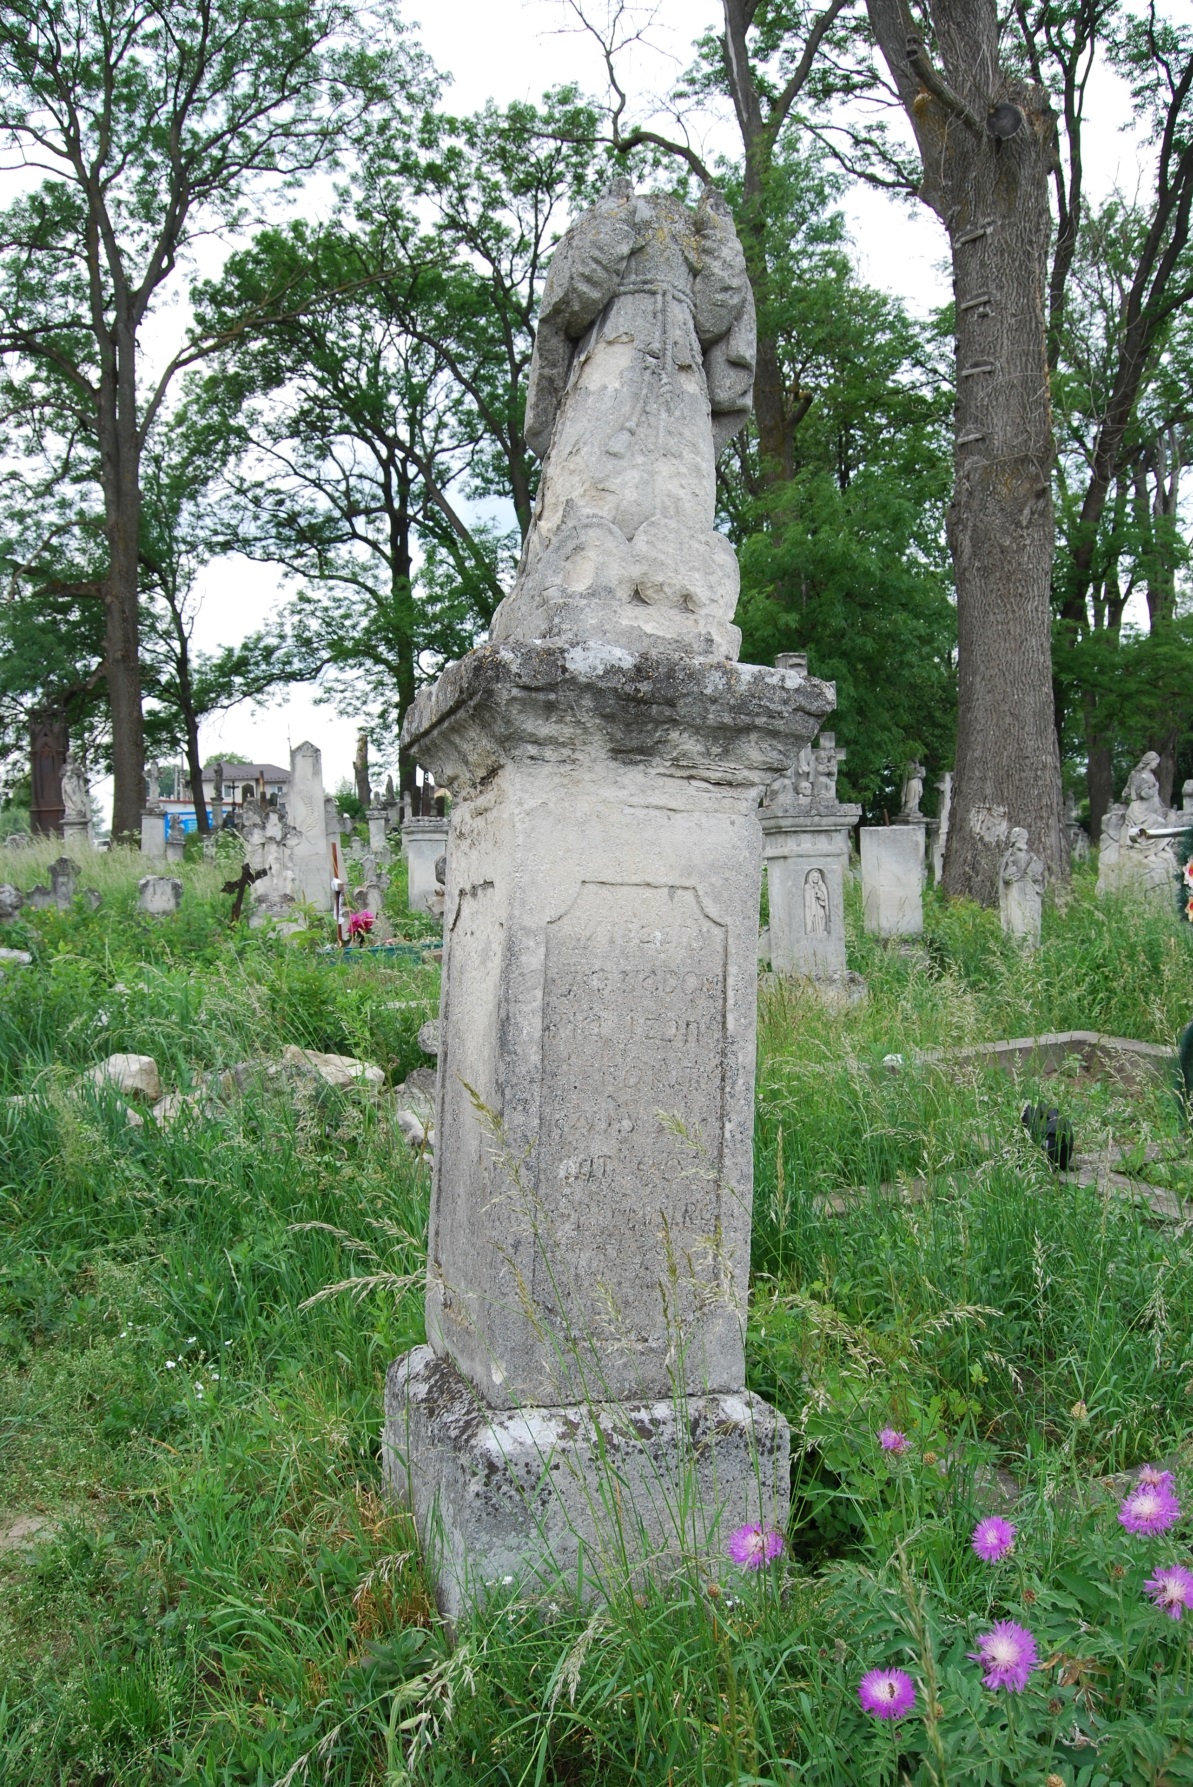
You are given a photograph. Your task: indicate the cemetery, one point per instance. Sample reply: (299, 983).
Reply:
(633, 1223)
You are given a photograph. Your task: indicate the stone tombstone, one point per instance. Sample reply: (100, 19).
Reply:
(581, 1400)
(11, 901)
(18, 840)
(76, 801)
(1021, 879)
(1129, 862)
(175, 840)
(378, 820)
(805, 832)
(306, 811)
(153, 835)
(423, 842)
(47, 754)
(159, 895)
(64, 877)
(893, 879)
(940, 836)
(269, 845)
(371, 896)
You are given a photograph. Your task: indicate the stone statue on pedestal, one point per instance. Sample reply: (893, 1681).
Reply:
(76, 798)
(1127, 859)
(913, 791)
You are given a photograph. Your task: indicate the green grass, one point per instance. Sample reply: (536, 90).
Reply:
(223, 1597)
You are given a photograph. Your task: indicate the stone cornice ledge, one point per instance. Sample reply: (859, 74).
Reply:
(505, 699)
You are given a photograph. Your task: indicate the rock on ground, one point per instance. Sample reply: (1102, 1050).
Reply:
(128, 1073)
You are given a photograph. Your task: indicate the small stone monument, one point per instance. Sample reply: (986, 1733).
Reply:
(370, 896)
(18, 840)
(423, 841)
(159, 895)
(378, 821)
(580, 1407)
(1021, 878)
(893, 879)
(11, 901)
(913, 793)
(76, 802)
(269, 844)
(940, 826)
(175, 839)
(306, 812)
(1127, 860)
(805, 831)
(64, 878)
(153, 834)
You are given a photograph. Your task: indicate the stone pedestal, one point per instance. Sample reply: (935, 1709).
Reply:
(893, 879)
(423, 843)
(153, 836)
(176, 846)
(159, 895)
(806, 859)
(377, 827)
(76, 832)
(940, 829)
(590, 1223)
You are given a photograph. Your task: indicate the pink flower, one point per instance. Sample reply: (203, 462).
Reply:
(753, 1546)
(886, 1693)
(993, 1538)
(1171, 1589)
(1188, 872)
(1149, 1509)
(1152, 1477)
(360, 922)
(1008, 1656)
(891, 1440)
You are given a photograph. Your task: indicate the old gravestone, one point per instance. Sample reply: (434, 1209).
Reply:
(583, 1386)
(423, 841)
(159, 895)
(310, 852)
(805, 831)
(1021, 879)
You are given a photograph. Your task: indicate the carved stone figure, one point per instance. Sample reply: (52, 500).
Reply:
(1126, 859)
(1021, 879)
(268, 845)
(76, 801)
(913, 791)
(825, 759)
(1075, 831)
(816, 904)
(643, 370)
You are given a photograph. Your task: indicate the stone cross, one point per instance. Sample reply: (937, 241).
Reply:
(582, 1389)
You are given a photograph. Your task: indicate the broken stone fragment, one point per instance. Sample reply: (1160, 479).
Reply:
(337, 1070)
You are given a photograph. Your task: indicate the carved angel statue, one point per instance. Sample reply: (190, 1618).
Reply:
(76, 800)
(913, 788)
(643, 370)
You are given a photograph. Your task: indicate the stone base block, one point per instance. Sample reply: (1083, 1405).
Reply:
(585, 1497)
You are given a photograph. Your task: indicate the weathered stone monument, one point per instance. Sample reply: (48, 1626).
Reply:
(1128, 859)
(1021, 879)
(378, 825)
(1187, 796)
(893, 879)
(805, 831)
(269, 844)
(1074, 830)
(175, 851)
(76, 802)
(153, 834)
(370, 897)
(310, 851)
(159, 895)
(581, 1402)
(423, 841)
(939, 828)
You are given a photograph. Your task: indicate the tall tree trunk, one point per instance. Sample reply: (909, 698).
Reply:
(360, 768)
(988, 145)
(120, 466)
(1099, 772)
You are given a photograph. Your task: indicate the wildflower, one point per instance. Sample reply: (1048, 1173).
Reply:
(1171, 1589)
(1188, 872)
(1008, 1656)
(1149, 1509)
(993, 1538)
(753, 1546)
(1079, 1412)
(886, 1693)
(1152, 1477)
(170, 1364)
(358, 923)
(891, 1440)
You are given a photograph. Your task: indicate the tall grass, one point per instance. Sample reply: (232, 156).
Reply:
(218, 1593)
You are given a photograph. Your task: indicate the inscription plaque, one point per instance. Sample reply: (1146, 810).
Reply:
(629, 1212)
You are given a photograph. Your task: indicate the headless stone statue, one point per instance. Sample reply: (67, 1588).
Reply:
(643, 370)
(913, 790)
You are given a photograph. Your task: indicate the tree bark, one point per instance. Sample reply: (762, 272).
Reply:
(991, 193)
(120, 476)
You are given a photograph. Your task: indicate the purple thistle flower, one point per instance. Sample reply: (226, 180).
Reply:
(1008, 1656)
(1152, 1477)
(1171, 1589)
(1149, 1509)
(891, 1440)
(993, 1538)
(753, 1546)
(886, 1693)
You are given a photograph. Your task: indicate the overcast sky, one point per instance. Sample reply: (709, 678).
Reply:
(515, 49)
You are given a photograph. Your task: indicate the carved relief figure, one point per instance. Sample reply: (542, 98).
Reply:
(643, 370)
(816, 904)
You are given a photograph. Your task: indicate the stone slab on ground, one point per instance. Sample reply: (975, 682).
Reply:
(516, 1498)
(341, 1071)
(129, 1074)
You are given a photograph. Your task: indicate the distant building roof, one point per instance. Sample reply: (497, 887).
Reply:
(247, 772)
